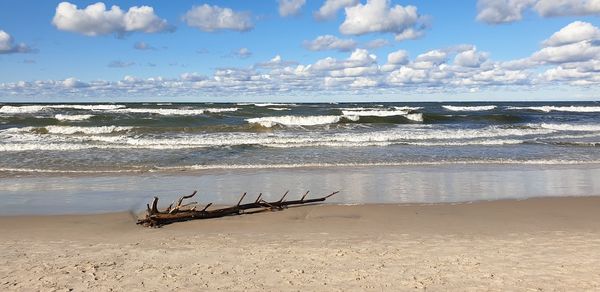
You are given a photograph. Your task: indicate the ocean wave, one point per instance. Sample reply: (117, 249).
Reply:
(374, 113)
(201, 167)
(279, 109)
(25, 109)
(72, 117)
(299, 120)
(375, 164)
(570, 127)
(68, 130)
(547, 109)
(94, 138)
(469, 108)
(417, 117)
(174, 111)
(266, 104)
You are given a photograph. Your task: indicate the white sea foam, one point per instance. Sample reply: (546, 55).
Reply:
(570, 127)
(68, 130)
(198, 167)
(272, 104)
(408, 108)
(8, 109)
(72, 138)
(72, 117)
(299, 120)
(374, 164)
(405, 112)
(375, 113)
(547, 109)
(174, 111)
(469, 108)
(417, 117)
(279, 108)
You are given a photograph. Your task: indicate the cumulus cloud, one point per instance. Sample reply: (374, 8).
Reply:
(74, 83)
(576, 42)
(504, 11)
(290, 7)
(501, 11)
(574, 32)
(567, 7)
(330, 42)
(398, 57)
(8, 46)
(214, 18)
(470, 58)
(569, 58)
(96, 20)
(378, 16)
(331, 7)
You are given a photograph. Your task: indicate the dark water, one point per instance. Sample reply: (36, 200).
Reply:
(91, 138)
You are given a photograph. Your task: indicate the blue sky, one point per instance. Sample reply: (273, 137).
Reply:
(45, 59)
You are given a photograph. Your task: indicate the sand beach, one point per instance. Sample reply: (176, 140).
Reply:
(540, 244)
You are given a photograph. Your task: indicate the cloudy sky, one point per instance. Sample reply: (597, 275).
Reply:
(300, 50)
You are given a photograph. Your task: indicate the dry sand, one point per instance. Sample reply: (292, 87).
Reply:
(536, 244)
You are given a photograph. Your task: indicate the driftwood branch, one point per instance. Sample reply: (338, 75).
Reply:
(178, 212)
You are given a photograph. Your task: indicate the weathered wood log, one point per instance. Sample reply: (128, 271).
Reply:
(185, 212)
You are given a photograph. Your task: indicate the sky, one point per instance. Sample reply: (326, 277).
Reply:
(299, 50)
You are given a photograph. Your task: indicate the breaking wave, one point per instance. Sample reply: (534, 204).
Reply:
(469, 108)
(26, 109)
(174, 111)
(571, 127)
(547, 109)
(68, 130)
(72, 117)
(424, 136)
(299, 120)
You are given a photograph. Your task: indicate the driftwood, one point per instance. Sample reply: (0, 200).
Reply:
(178, 211)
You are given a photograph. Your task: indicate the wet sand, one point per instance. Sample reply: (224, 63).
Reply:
(534, 244)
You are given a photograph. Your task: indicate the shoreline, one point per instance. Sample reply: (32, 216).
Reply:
(545, 243)
(68, 194)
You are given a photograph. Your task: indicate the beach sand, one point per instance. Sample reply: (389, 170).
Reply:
(535, 244)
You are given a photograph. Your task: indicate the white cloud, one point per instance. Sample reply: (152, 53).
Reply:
(504, 11)
(470, 58)
(95, 19)
(567, 7)
(576, 52)
(213, 18)
(74, 83)
(576, 42)
(358, 58)
(409, 34)
(574, 32)
(378, 16)
(290, 7)
(501, 11)
(7, 45)
(398, 57)
(331, 7)
(562, 61)
(329, 42)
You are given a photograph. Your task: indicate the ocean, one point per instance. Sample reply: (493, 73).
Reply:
(154, 137)
(101, 157)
